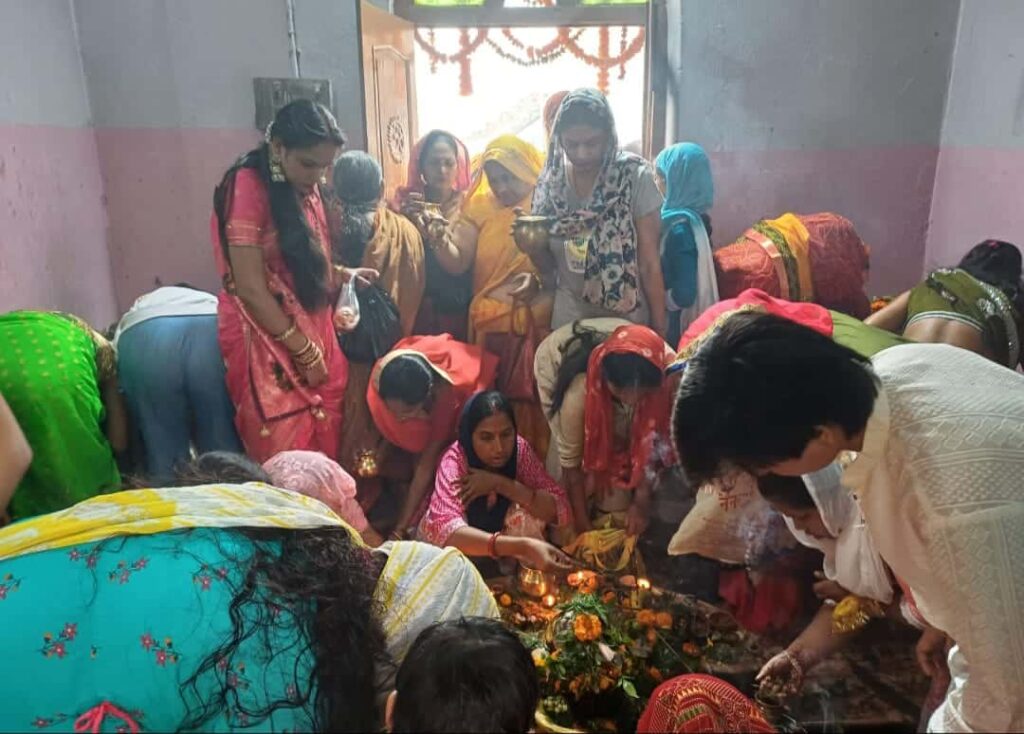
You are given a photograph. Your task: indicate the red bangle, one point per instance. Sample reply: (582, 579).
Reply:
(492, 549)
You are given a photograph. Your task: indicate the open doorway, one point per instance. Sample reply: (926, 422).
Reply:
(513, 72)
(480, 68)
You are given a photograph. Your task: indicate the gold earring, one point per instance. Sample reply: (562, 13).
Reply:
(323, 180)
(276, 172)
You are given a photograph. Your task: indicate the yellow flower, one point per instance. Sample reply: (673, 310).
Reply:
(540, 657)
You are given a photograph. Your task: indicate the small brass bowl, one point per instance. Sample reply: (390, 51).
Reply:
(533, 582)
(532, 232)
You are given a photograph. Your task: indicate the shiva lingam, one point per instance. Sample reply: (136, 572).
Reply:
(531, 232)
(366, 464)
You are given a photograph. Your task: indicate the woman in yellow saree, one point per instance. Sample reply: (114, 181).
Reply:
(505, 281)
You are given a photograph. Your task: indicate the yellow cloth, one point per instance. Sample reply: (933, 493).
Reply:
(798, 239)
(396, 252)
(498, 259)
(150, 511)
(422, 584)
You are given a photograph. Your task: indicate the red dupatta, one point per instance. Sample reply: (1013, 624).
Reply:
(625, 469)
(700, 703)
(466, 368)
(414, 179)
(751, 300)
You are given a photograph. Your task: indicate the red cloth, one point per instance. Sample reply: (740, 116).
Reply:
(771, 606)
(838, 261)
(414, 178)
(625, 469)
(810, 315)
(275, 409)
(468, 369)
(551, 108)
(700, 703)
(839, 264)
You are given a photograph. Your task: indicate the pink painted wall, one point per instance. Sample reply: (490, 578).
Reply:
(53, 250)
(979, 184)
(159, 186)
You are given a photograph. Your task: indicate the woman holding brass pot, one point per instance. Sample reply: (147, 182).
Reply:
(599, 241)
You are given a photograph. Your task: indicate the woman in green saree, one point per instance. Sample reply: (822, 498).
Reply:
(59, 378)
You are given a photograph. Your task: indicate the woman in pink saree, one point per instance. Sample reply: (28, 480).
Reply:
(286, 374)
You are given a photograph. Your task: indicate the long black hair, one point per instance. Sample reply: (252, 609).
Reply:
(997, 263)
(575, 353)
(299, 124)
(321, 583)
(479, 407)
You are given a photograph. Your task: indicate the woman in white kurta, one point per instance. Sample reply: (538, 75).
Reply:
(939, 479)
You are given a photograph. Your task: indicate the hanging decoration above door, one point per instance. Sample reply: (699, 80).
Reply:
(512, 49)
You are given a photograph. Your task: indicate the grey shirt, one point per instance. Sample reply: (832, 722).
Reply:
(571, 258)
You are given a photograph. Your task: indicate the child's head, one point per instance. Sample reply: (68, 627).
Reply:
(465, 675)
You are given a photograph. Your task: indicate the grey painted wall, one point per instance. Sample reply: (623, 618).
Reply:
(819, 105)
(328, 33)
(979, 183)
(813, 74)
(41, 69)
(180, 63)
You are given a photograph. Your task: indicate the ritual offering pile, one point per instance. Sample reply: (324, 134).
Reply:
(602, 643)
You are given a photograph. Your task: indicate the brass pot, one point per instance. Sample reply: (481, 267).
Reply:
(532, 232)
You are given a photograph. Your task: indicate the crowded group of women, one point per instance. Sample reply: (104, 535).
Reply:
(195, 489)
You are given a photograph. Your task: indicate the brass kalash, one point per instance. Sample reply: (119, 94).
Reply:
(532, 232)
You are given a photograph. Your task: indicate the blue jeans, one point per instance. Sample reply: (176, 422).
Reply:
(172, 375)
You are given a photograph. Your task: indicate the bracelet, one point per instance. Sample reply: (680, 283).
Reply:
(314, 357)
(798, 668)
(492, 545)
(287, 333)
(305, 351)
(303, 348)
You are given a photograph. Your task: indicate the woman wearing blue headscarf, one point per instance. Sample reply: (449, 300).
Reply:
(684, 175)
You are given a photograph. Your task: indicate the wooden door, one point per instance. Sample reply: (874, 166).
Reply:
(390, 88)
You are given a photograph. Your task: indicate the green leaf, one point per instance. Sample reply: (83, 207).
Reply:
(628, 688)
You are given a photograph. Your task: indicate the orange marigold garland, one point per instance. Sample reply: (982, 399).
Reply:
(565, 40)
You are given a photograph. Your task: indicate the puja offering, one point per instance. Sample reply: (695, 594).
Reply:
(602, 643)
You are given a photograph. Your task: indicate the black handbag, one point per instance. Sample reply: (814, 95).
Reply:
(378, 330)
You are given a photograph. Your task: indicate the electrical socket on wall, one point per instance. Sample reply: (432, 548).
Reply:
(273, 94)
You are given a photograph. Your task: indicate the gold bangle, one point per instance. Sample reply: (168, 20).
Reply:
(287, 333)
(303, 348)
(310, 358)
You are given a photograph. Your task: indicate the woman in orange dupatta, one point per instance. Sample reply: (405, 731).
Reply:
(415, 396)
(506, 285)
(286, 374)
(627, 461)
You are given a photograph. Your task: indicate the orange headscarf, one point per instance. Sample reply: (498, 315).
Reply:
(468, 369)
(650, 418)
